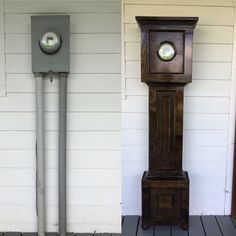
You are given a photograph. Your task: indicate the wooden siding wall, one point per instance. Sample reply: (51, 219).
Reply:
(2, 51)
(93, 118)
(207, 104)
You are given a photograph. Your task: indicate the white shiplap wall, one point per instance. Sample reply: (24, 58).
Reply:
(93, 118)
(2, 51)
(207, 104)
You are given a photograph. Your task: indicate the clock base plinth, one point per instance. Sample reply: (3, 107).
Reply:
(165, 200)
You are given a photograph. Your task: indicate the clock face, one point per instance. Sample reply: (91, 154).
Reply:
(166, 51)
(50, 42)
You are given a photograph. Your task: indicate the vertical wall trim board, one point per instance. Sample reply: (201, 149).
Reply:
(231, 130)
(3, 54)
(123, 64)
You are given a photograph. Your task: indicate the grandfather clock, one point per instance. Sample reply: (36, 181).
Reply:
(166, 67)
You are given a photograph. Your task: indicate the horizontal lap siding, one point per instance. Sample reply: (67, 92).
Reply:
(206, 104)
(93, 147)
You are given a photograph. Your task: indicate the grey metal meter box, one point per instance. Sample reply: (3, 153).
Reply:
(50, 43)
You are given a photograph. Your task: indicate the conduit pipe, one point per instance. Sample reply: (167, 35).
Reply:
(40, 153)
(51, 56)
(62, 153)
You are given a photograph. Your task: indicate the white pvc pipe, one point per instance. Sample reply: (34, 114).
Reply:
(40, 154)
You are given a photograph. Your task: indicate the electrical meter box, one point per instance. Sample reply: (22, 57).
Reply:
(50, 43)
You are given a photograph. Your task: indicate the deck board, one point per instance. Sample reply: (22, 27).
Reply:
(162, 230)
(106, 234)
(141, 232)
(29, 234)
(12, 234)
(177, 231)
(198, 226)
(195, 226)
(130, 226)
(226, 225)
(211, 226)
(85, 234)
(234, 221)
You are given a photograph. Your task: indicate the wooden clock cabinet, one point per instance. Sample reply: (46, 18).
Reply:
(166, 67)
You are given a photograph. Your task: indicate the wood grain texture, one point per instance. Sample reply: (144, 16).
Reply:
(202, 34)
(165, 187)
(201, 52)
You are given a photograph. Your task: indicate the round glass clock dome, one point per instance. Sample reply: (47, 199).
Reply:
(166, 51)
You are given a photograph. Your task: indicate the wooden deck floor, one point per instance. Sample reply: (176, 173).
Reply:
(56, 234)
(131, 226)
(198, 226)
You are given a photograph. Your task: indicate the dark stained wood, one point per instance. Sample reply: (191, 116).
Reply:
(165, 129)
(233, 209)
(130, 226)
(195, 226)
(226, 225)
(165, 186)
(174, 66)
(211, 226)
(180, 68)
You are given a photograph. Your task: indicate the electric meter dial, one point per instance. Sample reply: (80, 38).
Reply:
(50, 42)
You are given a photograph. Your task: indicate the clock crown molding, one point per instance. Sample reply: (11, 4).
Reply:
(178, 31)
(167, 23)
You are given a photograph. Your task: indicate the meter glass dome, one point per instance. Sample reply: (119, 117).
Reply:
(166, 51)
(50, 42)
